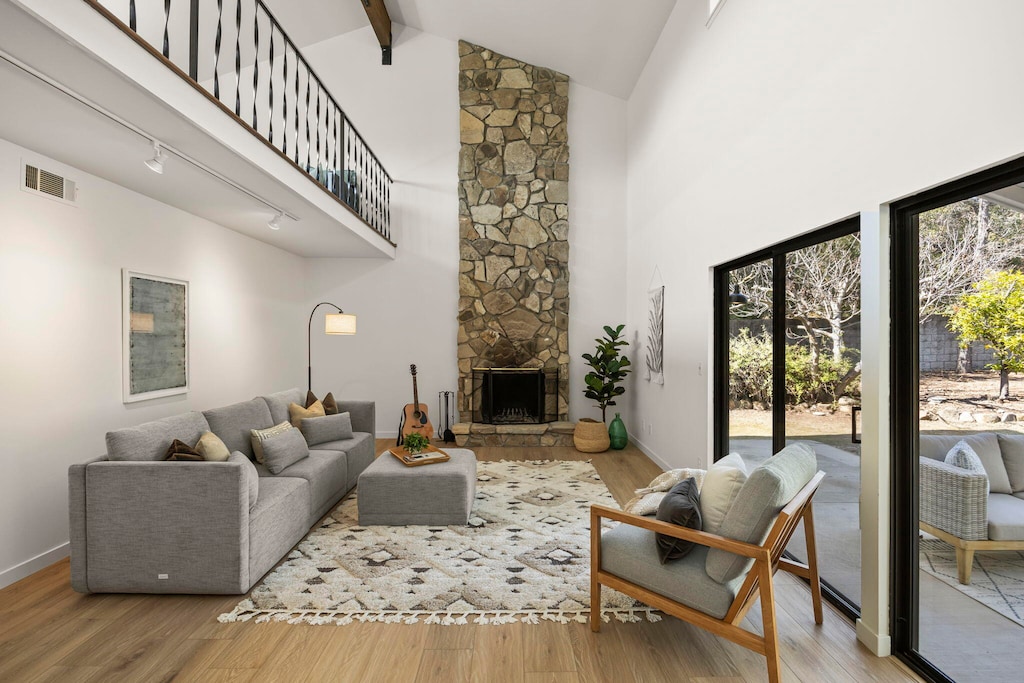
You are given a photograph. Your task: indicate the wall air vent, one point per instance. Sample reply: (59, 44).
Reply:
(49, 184)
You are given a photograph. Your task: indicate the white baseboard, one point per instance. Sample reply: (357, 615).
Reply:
(29, 567)
(387, 435)
(880, 645)
(650, 454)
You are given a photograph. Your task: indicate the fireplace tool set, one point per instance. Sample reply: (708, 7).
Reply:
(446, 415)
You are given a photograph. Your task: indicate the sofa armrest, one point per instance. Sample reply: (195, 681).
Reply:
(166, 527)
(364, 416)
(954, 500)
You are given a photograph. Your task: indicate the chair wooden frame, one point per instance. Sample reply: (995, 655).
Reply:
(759, 582)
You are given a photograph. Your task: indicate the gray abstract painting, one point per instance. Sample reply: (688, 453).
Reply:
(156, 325)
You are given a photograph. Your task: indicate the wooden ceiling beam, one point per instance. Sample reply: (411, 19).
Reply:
(380, 20)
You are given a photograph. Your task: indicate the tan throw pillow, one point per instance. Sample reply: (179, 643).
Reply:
(330, 405)
(297, 412)
(212, 448)
(258, 436)
(722, 484)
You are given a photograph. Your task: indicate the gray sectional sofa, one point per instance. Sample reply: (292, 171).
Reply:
(140, 524)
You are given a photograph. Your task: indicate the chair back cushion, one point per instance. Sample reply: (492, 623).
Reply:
(234, 423)
(767, 490)
(986, 445)
(1012, 447)
(722, 484)
(278, 403)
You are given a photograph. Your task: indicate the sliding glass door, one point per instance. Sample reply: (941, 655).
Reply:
(787, 363)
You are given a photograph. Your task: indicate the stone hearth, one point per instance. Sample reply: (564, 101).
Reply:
(469, 434)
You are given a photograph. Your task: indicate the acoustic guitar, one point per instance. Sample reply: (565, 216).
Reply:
(415, 420)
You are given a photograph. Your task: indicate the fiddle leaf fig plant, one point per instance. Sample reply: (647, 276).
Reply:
(609, 368)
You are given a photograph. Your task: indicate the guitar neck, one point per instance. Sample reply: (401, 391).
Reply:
(415, 395)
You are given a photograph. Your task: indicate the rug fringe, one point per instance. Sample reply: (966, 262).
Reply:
(495, 618)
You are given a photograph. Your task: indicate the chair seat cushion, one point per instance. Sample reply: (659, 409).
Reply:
(631, 553)
(1005, 517)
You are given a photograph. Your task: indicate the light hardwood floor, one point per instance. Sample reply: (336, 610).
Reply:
(50, 633)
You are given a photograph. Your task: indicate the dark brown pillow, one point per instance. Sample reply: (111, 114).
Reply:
(181, 451)
(330, 405)
(681, 506)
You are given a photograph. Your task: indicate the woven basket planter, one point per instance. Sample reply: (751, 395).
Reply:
(591, 436)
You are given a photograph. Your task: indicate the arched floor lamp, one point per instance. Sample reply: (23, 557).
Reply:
(334, 323)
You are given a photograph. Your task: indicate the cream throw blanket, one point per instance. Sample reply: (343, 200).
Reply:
(648, 499)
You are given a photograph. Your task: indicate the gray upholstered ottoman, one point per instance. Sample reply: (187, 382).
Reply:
(392, 494)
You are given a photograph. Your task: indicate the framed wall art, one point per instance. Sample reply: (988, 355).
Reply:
(154, 331)
(655, 359)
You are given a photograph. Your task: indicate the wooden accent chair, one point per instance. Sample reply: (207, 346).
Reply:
(625, 559)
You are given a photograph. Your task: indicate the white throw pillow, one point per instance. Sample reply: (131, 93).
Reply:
(963, 456)
(723, 481)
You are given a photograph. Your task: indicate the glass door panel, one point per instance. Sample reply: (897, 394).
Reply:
(750, 360)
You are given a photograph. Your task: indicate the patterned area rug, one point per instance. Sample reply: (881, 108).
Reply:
(524, 557)
(997, 578)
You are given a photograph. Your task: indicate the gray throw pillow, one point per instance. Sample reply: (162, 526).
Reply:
(283, 450)
(966, 458)
(327, 428)
(681, 506)
(251, 475)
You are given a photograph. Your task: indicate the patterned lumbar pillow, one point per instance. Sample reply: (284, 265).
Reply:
(319, 430)
(212, 448)
(330, 405)
(297, 412)
(283, 450)
(258, 436)
(963, 456)
(680, 506)
(181, 451)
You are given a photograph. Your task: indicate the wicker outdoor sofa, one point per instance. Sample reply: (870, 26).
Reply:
(969, 510)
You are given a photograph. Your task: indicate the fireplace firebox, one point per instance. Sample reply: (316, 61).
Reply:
(515, 395)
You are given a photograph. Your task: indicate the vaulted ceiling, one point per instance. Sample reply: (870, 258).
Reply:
(603, 44)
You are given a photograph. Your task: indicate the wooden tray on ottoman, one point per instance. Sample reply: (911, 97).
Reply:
(428, 456)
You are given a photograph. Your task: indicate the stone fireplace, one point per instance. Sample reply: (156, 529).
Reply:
(513, 224)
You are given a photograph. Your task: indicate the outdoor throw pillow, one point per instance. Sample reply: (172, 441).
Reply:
(297, 412)
(283, 450)
(319, 430)
(680, 506)
(181, 451)
(330, 405)
(258, 436)
(963, 456)
(212, 448)
(722, 483)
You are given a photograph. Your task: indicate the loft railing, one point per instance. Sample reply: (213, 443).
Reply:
(239, 54)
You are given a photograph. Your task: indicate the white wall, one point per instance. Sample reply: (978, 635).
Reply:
(60, 297)
(407, 307)
(783, 117)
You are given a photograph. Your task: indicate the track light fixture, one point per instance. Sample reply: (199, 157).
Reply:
(275, 222)
(156, 164)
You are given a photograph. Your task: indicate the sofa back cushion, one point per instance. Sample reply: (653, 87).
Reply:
(985, 444)
(233, 423)
(278, 403)
(769, 487)
(1012, 448)
(150, 440)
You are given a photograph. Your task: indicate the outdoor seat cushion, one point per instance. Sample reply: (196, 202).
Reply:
(1005, 517)
(1012, 448)
(631, 553)
(278, 403)
(767, 490)
(360, 450)
(150, 440)
(985, 444)
(326, 472)
(234, 423)
(279, 521)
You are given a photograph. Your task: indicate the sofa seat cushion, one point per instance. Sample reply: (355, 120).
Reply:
(986, 445)
(1005, 517)
(631, 553)
(150, 440)
(277, 523)
(360, 450)
(234, 423)
(326, 472)
(278, 403)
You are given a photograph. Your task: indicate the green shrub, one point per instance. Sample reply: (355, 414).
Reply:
(750, 367)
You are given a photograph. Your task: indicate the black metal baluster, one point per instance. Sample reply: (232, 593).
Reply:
(216, 49)
(238, 58)
(387, 209)
(317, 120)
(298, 59)
(255, 66)
(132, 20)
(270, 90)
(309, 79)
(193, 40)
(284, 105)
(167, 23)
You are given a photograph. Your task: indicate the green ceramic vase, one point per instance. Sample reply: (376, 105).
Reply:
(617, 433)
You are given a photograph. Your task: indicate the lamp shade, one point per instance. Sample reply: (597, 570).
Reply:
(340, 323)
